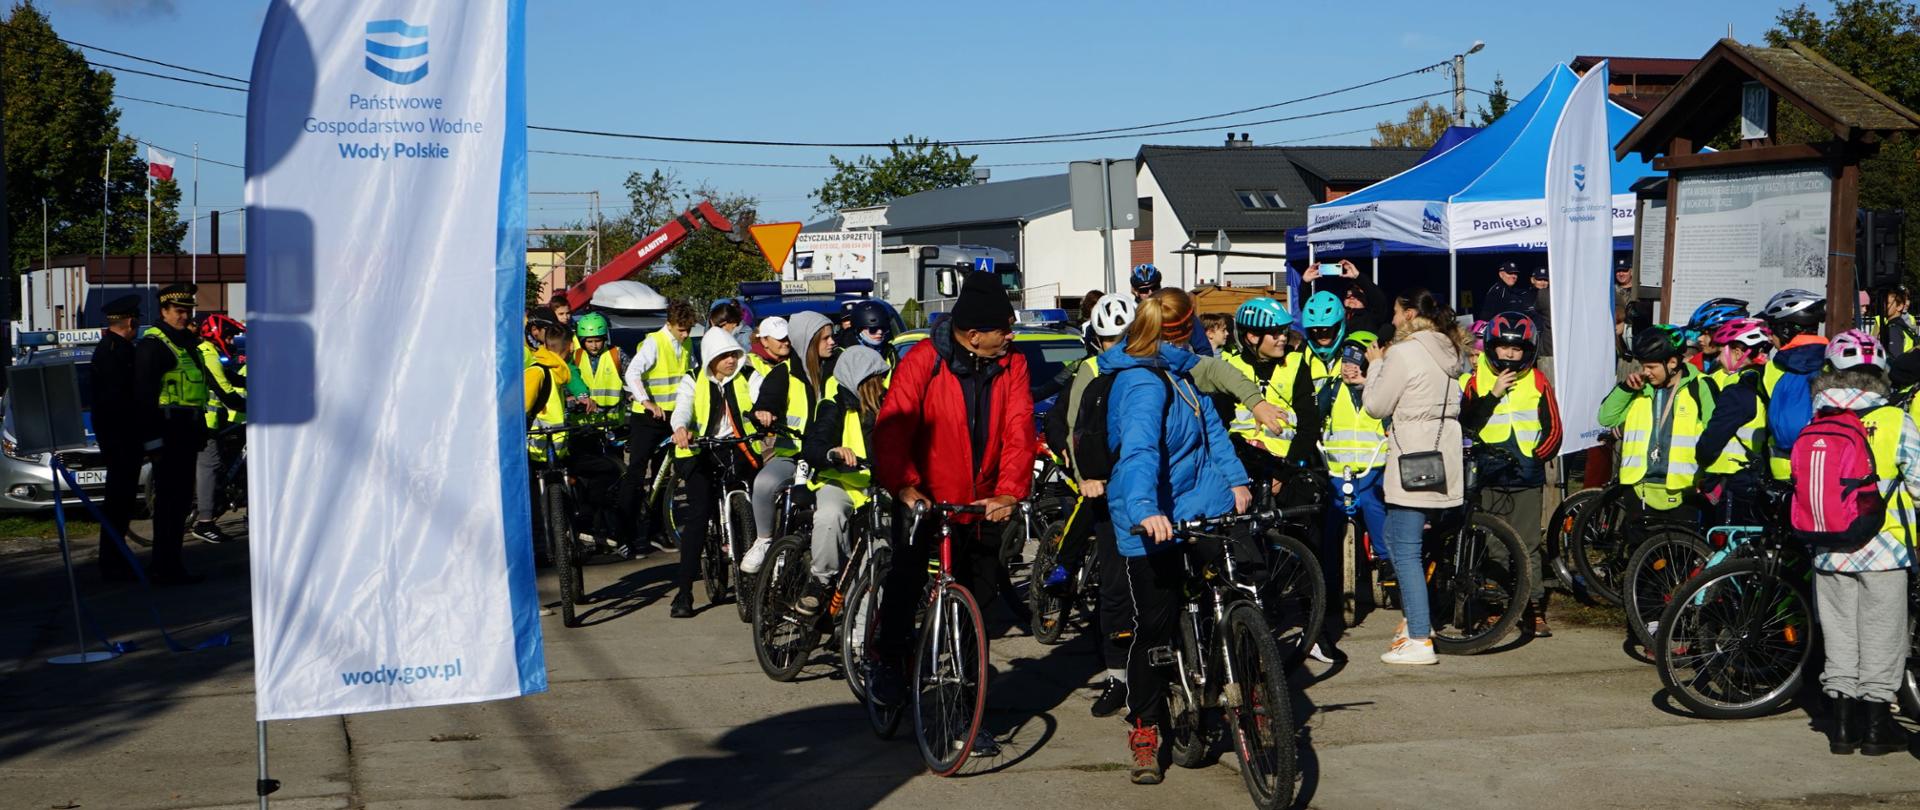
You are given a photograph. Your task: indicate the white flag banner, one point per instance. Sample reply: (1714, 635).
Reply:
(386, 243)
(1580, 225)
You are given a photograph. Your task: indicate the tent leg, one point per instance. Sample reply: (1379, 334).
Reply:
(1376, 269)
(1453, 278)
(263, 786)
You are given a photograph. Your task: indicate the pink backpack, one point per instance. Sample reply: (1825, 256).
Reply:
(1837, 501)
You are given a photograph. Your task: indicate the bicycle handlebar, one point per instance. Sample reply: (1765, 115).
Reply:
(1263, 516)
(925, 507)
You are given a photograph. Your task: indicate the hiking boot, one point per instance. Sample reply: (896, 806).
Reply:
(814, 598)
(682, 606)
(756, 556)
(1113, 698)
(1883, 735)
(1144, 741)
(1535, 620)
(209, 532)
(1846, 726)
(1410, 651)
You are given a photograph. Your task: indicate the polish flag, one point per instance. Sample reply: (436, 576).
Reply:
(159, 164)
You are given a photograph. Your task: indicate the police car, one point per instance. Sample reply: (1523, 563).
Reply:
(26, 482)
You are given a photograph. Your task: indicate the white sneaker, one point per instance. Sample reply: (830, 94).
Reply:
(1316, 654)
(756, 556)
(1412, 652)
(1400, 633)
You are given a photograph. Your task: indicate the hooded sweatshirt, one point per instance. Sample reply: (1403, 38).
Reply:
(712, 346)
(540, 363)
(824, 433)
(1886, 551)
(1171, 453)
(772, 396)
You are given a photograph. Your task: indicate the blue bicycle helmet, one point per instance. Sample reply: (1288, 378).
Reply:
(1710, 315)
(1262, 315)
(1145, 277)
(1324, 313)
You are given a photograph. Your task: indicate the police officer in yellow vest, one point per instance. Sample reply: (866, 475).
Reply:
(598, 361)
(836, 448)
(214, 334)
(1261, 327)
(171, 388)
(788, 394)
(1662, 409)
(659, 363)
(1733, 448)
(713, 404)
(1510, 404)
(1355, 446)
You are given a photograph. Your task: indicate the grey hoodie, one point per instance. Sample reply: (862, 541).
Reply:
(712, 346)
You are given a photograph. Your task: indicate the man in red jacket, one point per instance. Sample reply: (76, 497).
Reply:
(957, 428)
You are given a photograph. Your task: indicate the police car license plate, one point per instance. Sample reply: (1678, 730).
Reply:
(90, 478)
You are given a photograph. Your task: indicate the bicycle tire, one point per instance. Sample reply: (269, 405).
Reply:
(714, 568)
(1261, 706)
(1294, 596)
(1719, 631)
(1909, 692)
(660, 497)
(884, 721)
(565, 551)
(1600, 533)
(1670, 556)
(782, 638)
(949, 680)
(1050, 610)
(1190, 734)
(1477, 582)
(854, 628)
(1560, 544)
(740, 534)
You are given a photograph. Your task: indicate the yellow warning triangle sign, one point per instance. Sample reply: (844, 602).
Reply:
(776, 241)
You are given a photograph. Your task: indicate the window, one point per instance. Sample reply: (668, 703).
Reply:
(1258, 199)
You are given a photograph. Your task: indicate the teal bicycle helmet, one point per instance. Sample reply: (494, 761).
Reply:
(1262, 315)
(1324, 316)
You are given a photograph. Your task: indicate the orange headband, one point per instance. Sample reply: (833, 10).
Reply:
(1176, 331)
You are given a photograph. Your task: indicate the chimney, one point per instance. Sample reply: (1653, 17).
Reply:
(1245, 140)
(213, 232)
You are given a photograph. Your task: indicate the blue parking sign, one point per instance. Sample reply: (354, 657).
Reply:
(984, 264)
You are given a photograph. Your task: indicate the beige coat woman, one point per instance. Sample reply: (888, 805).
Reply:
(1416, 383)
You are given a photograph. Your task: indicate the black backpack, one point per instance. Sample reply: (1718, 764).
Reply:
(1092, 447)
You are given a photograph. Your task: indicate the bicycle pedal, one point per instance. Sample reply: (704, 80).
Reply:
(1160, 657)
(1230, 697)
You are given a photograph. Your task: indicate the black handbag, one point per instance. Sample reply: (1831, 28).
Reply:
(1426, 471)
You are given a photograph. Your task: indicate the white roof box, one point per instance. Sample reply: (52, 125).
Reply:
(628, 295)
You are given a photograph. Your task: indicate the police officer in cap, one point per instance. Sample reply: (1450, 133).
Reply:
(171, 386)
(116, 427)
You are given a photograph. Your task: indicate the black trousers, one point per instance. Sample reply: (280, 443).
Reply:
(696, 478)
(599, 484)
(1115, 615)
(644, 435)
(976, 559)
(1154, 585)
(122, 497)
(183, 433)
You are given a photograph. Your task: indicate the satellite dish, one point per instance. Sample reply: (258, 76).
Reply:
(628, 295)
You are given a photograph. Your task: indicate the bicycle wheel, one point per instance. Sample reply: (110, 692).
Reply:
(740, 534)
(564, 548)
(1049, 607)
(1601, 535)
(884, 720)
(1295, 595)
(1560, 537)
(782, 637)
(855, 628)
(1257, 699)
(715, 569)
(1477, 583)
(1909, 691)
(1669, 557)
(949, 679)
(661, 495)
(1191, 731)
(1736, 640)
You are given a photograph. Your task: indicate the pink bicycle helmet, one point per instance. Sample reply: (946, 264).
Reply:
(1855, 348)
(1749, 332)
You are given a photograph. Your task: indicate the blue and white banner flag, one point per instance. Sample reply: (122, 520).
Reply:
(1580, 251)
(386, 242)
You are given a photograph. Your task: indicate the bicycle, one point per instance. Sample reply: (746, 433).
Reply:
(229, 481)
(730, 524)
(1294, 594)
(783, 636)
(1670, 555)
(1563, 545)
(1360, 567)
(1478, 574)
(949, 680)
(1735, 640)
(1227, 659)
(1052, 504)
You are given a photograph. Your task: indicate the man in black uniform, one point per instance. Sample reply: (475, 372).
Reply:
(170, 385)
(115, 427)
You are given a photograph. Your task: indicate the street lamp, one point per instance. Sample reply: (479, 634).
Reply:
(1460, 83)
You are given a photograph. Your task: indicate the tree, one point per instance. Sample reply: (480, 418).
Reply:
(60, 121)
(912, 165)
(1497, 102)
(708, 265)
(1879, 42)
(1423, 126)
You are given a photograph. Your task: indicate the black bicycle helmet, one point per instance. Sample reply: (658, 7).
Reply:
(872, 315)
(1658, 344)
(1511, 329)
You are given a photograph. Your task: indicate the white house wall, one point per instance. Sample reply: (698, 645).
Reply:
(1061, 262)
(1170, 235)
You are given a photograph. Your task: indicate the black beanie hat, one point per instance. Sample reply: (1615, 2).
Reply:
(983, 304)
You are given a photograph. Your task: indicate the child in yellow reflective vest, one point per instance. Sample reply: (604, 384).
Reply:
(1510, 404)
(1355, 446)
(836, 450)
(1733, 447)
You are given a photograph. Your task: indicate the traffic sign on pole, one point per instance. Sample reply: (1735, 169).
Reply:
(776, 241)
(984, 264)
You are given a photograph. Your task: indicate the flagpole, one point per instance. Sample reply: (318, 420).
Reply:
(194, 230)
(149, 223)
(106, 183)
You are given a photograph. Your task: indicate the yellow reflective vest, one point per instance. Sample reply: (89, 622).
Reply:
(552, 414)
(853, 438)
(1883, 438)
(218, 413)
(705, 416)
(1749, 440)
(670, 361)
(1354, 441)
(1691, 404)
(1277, 389)
(1517, 416)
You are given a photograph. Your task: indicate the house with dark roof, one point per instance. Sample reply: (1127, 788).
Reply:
(1252, 194)
(1636, 82)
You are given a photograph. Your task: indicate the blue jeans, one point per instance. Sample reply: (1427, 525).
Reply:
(1369, 505)
(1403, 535)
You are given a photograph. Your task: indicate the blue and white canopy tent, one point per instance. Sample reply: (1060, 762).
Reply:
(1487, 194)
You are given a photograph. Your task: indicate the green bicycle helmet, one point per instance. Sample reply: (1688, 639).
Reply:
(590, 325)
(1324, 316)
(1262, 315)
(1354, 348)
(1658, 344)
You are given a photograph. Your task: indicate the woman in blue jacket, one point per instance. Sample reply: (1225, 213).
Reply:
(1172, 462)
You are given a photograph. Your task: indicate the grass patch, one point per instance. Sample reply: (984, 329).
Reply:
(1565, 608)
(43, 527)
(1103, 767)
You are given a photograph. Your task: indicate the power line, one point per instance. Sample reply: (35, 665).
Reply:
(178, 106)
(120, 69)
(155, 61)
(188, 153)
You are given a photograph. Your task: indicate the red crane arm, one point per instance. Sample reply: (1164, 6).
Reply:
(649, 250)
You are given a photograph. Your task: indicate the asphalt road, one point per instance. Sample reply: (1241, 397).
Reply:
(650, 712)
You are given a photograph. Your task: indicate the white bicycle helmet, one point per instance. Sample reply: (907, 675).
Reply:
(1855, 348)
(1795, 307)
(1111, 315)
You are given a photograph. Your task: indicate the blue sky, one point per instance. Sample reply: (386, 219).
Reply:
(869, 71)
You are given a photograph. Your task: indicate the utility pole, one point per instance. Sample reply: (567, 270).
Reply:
(1460, 83)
